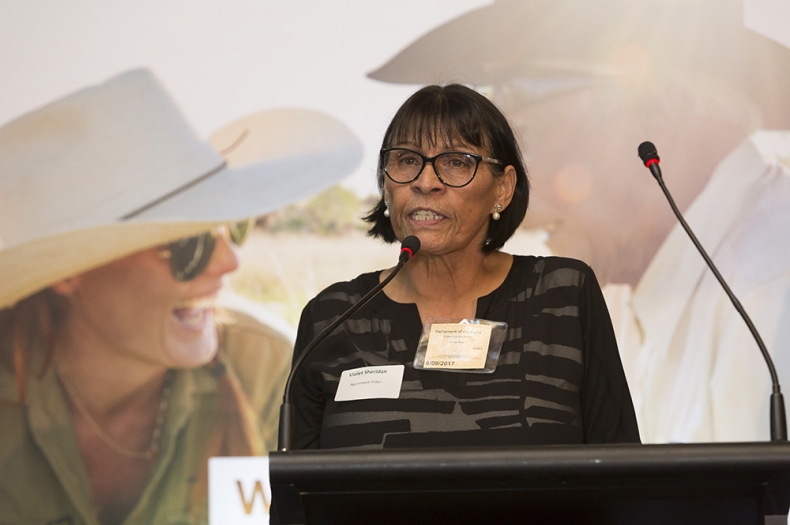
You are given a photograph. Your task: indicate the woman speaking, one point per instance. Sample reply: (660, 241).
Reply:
(468, 345)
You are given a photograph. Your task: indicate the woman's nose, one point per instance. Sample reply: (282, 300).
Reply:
(225, 258)
(428, 180)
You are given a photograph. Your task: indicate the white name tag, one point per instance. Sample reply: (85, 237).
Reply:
(370, 382)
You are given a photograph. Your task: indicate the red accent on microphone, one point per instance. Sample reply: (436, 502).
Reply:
(650, 162)
(405, 249)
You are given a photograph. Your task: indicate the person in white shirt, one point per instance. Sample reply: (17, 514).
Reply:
(585, 84)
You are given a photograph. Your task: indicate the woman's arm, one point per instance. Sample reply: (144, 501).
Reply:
(607, 410)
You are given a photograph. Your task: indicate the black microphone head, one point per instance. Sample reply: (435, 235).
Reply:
(409, 247)
(647, 152)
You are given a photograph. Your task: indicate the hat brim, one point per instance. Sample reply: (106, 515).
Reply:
(310, 154)
(551, 47)
(35, 265)
(237, 193)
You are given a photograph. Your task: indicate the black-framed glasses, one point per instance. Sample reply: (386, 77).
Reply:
(190, 256)
(453, 168)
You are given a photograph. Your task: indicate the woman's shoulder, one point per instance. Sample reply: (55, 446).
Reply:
(343, 290)
(544, 264)
(543, 273)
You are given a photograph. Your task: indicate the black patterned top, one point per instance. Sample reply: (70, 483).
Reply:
(558, 380)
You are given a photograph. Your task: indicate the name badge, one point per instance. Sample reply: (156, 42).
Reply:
(471, 345)
(458, 346)
(370, 382)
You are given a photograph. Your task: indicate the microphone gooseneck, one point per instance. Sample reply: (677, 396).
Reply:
(649, 155)
(408, 249)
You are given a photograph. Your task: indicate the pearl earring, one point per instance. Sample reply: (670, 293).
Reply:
(496, 215)
(387, 210)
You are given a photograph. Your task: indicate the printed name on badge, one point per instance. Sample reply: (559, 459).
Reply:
(370, 382)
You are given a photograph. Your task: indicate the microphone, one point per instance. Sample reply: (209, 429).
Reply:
(647, 152)
(408, 249)
(649, 155)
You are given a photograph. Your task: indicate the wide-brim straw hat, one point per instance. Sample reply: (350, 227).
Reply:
(115, 168)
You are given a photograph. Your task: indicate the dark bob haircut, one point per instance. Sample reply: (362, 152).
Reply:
(446, 115)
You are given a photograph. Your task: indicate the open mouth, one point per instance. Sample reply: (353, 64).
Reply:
(194, 314)
(425, 215)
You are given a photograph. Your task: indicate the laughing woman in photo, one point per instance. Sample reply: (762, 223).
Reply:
(120, 375)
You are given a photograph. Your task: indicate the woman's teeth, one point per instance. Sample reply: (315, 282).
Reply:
(425, 215)
(191, 317)
(193, 312)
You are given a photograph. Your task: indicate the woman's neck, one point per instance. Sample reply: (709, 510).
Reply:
(108, 379)
(448, 286)
(117, 404)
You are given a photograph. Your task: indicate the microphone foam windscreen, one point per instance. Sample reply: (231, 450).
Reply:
(647, 151)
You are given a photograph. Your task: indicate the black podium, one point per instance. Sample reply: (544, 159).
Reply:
(717, 483)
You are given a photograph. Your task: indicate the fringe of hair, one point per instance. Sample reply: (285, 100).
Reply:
(31, 318)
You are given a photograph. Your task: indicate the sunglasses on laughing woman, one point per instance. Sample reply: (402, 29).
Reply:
(190, 256)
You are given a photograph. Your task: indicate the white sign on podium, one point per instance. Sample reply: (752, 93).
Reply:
(238, 490)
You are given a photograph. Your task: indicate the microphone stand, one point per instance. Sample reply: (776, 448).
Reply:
(286, 409)
(778, 419)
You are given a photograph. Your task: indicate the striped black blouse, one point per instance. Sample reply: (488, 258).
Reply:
(558, 380)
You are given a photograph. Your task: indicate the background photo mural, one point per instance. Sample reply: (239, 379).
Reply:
(707, 81)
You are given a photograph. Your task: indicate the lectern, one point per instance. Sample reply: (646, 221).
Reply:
(714, 483)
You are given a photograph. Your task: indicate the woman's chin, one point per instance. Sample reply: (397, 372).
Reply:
(436, 242)
(194, 355)
(193, 341)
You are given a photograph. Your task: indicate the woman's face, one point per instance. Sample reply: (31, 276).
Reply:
(447, 219)
(134, 306)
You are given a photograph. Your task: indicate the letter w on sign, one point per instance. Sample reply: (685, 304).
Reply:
(238, 490)
(255, 491)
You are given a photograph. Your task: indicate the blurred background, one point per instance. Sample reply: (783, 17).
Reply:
(583, 83)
